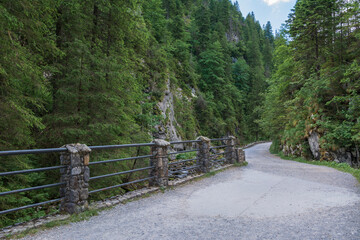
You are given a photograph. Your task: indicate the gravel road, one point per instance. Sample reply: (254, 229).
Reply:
(269, 199)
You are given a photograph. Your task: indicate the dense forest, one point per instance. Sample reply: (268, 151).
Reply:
(93, 71)
(99, 72)
(312, 105)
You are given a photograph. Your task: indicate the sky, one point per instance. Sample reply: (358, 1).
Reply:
(275, 11)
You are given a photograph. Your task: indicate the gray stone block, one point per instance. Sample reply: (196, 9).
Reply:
(84, 194)
(73, 196)
(76, 171)
(87, 174)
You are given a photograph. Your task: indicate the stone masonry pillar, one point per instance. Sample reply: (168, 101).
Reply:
(203, 155)
(160, 162)
(240, 155)
(76, 176)
(230, 155)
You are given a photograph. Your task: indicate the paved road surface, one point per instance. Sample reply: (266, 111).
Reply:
(269, 199)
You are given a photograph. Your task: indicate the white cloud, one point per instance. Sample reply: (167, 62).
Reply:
(272, 2)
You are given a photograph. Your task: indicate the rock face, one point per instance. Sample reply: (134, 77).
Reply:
(342, 156)
(167, 130)
(314, 144)
(296, 150)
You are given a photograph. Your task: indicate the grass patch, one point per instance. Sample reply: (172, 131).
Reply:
(343, 167)
(210, 174)
(243, 164)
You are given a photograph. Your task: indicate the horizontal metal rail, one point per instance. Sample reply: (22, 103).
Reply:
(120, 185)
(218, 153)
(219, 160)
(190, 141)
(219, 139)
(32, 151)
(184, 169)
(30, 206)
(31, 170)
(120, 173)
(194, 150)
(54, 150)
(222, 146)
(31, 189)
(182, 161)
(122, 146)
(121, 159)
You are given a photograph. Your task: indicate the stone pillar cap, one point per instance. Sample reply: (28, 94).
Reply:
(161, 142)
(77, 148)
(204, 139)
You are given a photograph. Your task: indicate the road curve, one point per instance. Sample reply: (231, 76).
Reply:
(269, 199)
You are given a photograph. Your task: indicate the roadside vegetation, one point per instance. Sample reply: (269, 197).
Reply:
(315, 89)
(343, 167)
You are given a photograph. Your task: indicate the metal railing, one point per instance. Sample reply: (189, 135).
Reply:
(180, 163)
(180, 167)
(60, 150)
(32, 151)
(214, 157)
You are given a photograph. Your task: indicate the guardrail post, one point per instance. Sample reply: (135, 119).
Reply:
(230, 150)
(240, 155)
(203, 155)
(76, 176)
(160, 162)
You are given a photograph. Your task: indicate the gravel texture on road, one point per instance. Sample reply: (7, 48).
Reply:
(268, 199)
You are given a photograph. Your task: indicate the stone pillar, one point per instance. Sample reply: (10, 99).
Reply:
(240, 155)
(203, 155)
(76, 176)
(160, 162)
(230, 155)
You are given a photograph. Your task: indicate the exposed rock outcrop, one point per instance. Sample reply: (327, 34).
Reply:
(314, 144)
(167, 128)
(342, 156)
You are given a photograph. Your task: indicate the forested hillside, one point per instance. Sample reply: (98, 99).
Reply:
(113, 72)
(312, 106)
(93, 71)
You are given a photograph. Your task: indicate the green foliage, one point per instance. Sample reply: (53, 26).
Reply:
(275, 146)
(189, 155)
(185, 117)
(314, 86)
